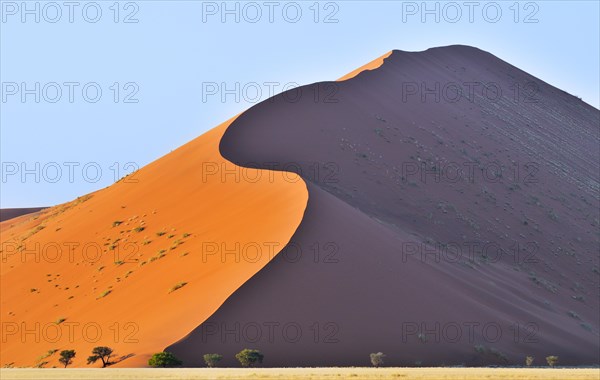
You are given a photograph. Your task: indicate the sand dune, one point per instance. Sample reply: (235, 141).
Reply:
(141, 291)
(353, 184)
(387, 291)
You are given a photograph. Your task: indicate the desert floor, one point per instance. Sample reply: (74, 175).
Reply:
(305, 373)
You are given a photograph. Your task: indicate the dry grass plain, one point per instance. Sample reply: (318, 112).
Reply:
(304, 373)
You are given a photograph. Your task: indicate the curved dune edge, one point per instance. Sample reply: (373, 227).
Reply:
(248, 215)
(368, 228)
(374, 64)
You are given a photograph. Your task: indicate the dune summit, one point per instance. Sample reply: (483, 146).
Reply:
(438, 206)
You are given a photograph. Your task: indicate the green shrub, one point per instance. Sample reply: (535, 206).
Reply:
(249, 358)
(164, 360)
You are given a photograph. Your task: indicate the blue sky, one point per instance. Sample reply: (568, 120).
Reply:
(121, 83)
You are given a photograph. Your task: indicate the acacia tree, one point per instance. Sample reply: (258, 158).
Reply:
(102, 353)
(66, 357)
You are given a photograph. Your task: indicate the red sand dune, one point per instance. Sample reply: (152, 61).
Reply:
(358, 274)
(376, 284)
(184, 194)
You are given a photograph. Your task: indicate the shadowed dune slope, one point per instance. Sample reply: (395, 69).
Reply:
(138, 265)
(438, 230)
(10, 213)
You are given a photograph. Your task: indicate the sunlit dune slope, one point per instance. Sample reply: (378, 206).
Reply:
(138, 265)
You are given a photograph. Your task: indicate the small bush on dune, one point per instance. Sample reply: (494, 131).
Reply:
(177, 286)
(552, 360)
(377, 359)
(212, 360)
(529, 361)
(249, 358)
(164, 360)
(104, 294)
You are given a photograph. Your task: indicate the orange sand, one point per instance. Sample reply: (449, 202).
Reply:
(176, 194)
(369, 66)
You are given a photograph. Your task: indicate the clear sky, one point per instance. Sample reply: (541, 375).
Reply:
(163, 68)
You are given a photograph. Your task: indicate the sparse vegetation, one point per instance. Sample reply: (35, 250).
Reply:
(573, 314)
(479, 348)
(212, 360)
(60, 320)
(66, 357)
(46, 355)
(552, 214)
(117, 223)
(529, 361)
(552, 360)
(102, 353)
(578, 298)
(164, 360)
(160, 233)
(104, 294)
(177, 286)
(249, 358)
(139, 229)
(377, 359)
(586, 326)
